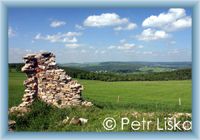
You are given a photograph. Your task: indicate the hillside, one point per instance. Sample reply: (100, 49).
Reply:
(130, 67)
(123, 72)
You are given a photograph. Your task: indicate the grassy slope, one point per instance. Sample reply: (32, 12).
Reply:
(140, 96)
(145, 92)
(16, 88)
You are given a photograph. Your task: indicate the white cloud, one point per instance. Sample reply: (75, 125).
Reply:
(111, 47)
(73, 34)
(79, 27)
(125, 46)
(173, 20)
(57, 23)
(119, 28)
(105, 19)
(122, 41)
(129, 26)
(70, 40)
(11, 32)
(73, 40)
(73, 45)
(179, 24)
(69, 37)
(109, 19)
(150, 34)
(38, 36)
(99, 51)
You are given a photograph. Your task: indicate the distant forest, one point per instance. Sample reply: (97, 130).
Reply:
(179, 74)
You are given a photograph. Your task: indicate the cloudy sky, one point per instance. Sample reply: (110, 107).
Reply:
(103, 34)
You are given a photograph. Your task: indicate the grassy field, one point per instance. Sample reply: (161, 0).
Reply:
(113, 99)
(155, 93)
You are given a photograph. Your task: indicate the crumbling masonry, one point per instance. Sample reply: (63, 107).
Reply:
(48, 83)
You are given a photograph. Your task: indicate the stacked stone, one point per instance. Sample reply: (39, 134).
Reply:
(55, 86)
(45, 61)
(30, 68)
(11, 125)
(49, 83)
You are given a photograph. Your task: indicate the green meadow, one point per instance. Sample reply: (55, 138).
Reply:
(110, 99)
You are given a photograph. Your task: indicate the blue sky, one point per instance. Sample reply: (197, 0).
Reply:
(101, 34)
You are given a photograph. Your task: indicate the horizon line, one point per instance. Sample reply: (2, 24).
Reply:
(116, 61)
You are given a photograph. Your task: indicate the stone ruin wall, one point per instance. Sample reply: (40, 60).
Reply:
(48, 83)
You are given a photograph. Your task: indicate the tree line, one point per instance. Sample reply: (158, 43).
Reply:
(180, 74)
